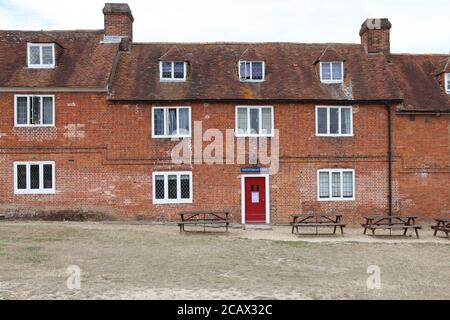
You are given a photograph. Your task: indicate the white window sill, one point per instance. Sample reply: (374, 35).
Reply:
(34, 192)
(34, 126)
(172, 137)
(337, 200)
(252, 81)
(169, 202)
(335, 135)
(172, 80)
(239, 135)
(332, 81)
(41, 67)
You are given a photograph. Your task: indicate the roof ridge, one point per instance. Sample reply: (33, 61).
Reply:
(242, 43)
(57, 31)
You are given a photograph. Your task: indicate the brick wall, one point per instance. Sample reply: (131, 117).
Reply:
(105, 157)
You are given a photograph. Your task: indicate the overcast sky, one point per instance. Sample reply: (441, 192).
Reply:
(419, 26)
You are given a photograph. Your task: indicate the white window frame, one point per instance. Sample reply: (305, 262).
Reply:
(331, 198)
(328, 134)
(251, 71)
(447, 83)
(41, 65)
(248, 134)
(166, 124)
(166, 199)
(331, 81)
(29, 96)
(172, 79)
(41, 190)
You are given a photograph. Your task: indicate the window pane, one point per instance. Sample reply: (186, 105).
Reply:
(266, 121)
(22, 110)
(336, 184)
(173, 189)
(245, 71)
(35, 55)
(158, 122)
(179, 70)
(322, 116)
(254, 121)
(184, 121)
(334, 121)
(48, 110)
(337, 71)
(257, 71)
(159, 188)
(172, 122)
(326, 71)
(21, 177)
(324, 185)
(35, 111)
(47, 55)
(34, 177)
(346, 121)
(242, 70)
(242, 120)
(185, 187)
(348, 184)
(48, 176)
(167, 70)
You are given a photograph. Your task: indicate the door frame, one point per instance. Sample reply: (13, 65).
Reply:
(243, 179)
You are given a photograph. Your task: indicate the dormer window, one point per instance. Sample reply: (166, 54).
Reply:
(173, 71)
(447, 83)
(251, 71)
(332, 72)
(41, 55)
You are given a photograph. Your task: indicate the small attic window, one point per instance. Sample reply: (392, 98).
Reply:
(252, 71)
(172, 70)
(447, 83)
(41, 55)
(332, 72)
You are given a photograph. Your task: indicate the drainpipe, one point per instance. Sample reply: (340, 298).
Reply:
(390, 160)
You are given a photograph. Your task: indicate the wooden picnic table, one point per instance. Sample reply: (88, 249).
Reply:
(391, 223)
(443, 225)
(207, 219)
(317, 220)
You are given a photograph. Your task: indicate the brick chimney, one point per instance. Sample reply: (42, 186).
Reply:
(118, 21)
(375, 36)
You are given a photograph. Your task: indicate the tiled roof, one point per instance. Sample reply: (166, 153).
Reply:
(417, 78)
(83, 62)
(291, 73)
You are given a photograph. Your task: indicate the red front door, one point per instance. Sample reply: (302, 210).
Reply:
(255, 200)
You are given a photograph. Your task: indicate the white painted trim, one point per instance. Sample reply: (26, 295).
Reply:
(447, 83)
(167, 136)
(28, 125)
(172, 79)
(243, 178)
(331, 81)
(329, 135)
(248, 134)
(166, 175)
(41, 190)
(41, 65)
(331, 199)
(251, 71)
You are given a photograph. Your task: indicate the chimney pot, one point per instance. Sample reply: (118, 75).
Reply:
(118, 20)
(375, 36)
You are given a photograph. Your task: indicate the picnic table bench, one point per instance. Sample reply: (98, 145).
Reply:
(205, 219)
(315, 220)
(443, 225)
(391, 223)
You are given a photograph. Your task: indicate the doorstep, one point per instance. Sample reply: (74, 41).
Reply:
(257, 227)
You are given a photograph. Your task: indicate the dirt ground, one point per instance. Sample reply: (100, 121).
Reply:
(157, 262)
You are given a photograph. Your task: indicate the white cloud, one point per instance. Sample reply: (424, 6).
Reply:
(418, 25)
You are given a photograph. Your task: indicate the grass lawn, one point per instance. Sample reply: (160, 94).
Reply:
(157, 262)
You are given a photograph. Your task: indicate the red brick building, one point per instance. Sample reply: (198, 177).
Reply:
(90, 120)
